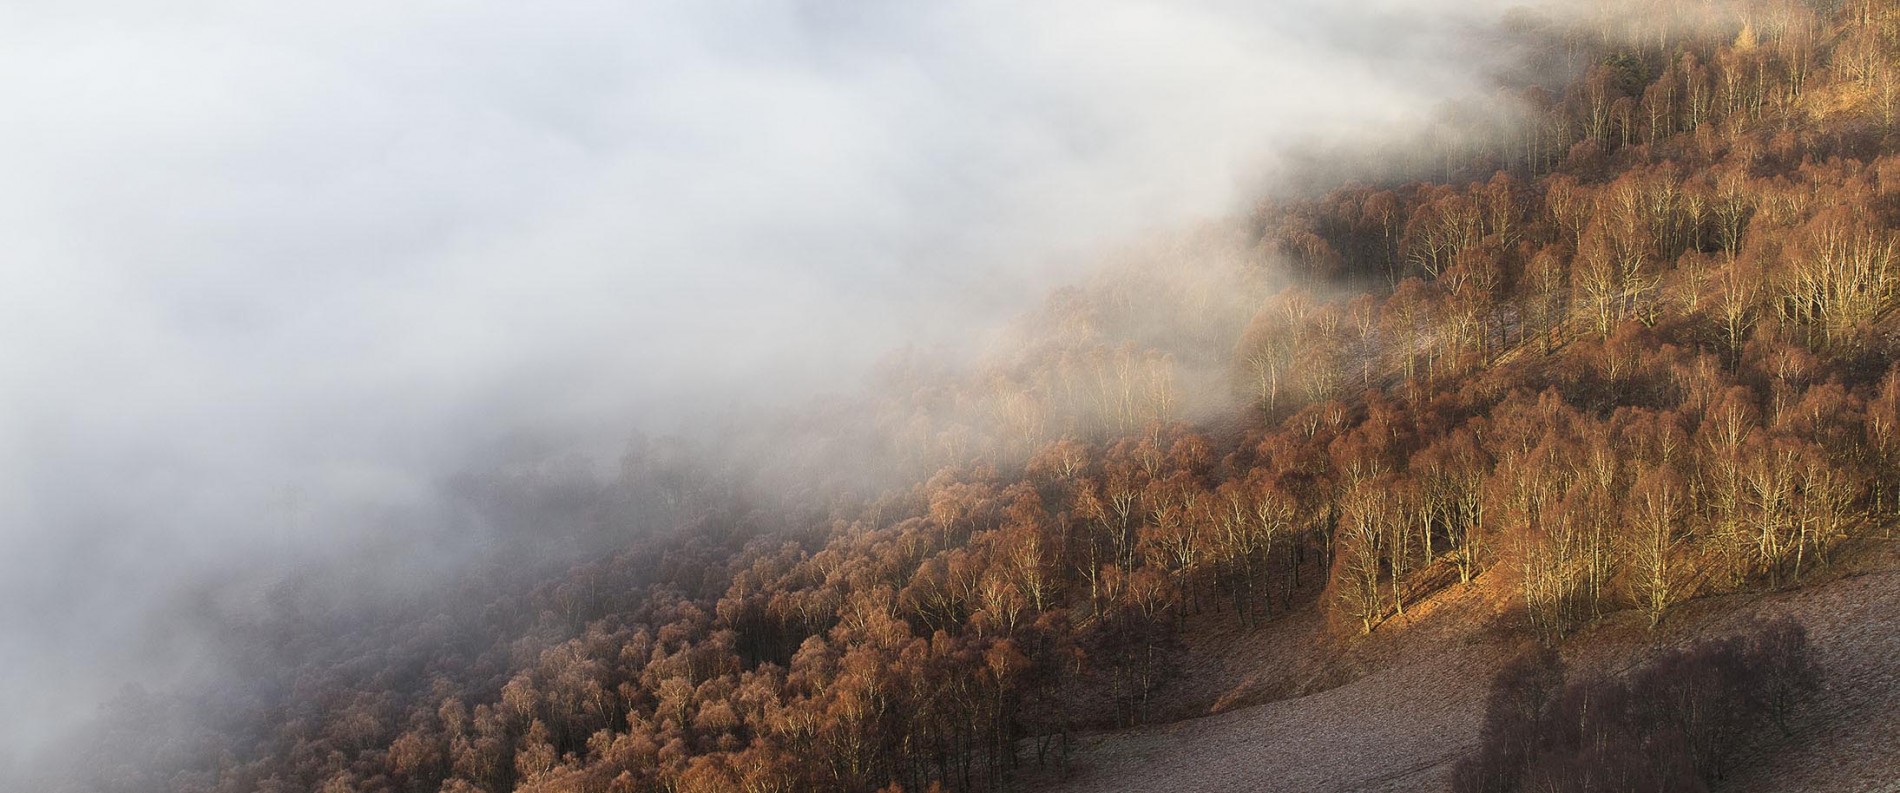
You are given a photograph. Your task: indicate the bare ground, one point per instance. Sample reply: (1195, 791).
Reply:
(1296, 708)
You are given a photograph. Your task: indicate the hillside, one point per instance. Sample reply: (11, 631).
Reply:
(1402, 727)
(1608, 378)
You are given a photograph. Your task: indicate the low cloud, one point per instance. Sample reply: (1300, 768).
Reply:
(272, 273)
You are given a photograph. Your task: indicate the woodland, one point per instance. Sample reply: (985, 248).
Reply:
(1635, 348)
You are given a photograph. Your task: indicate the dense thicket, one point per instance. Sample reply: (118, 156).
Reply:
(1636, 351)
(1673, 724)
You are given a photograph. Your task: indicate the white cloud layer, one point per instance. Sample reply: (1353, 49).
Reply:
(263, 254)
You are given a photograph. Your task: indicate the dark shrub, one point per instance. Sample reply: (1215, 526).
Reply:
(1671, 725)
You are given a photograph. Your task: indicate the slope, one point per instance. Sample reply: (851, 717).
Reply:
(1403, 726)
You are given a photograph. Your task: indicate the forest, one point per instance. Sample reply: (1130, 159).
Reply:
(1633, 349)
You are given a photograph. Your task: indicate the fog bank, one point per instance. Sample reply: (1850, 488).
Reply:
(273, 273)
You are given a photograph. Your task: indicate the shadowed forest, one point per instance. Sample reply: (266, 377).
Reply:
(1633, 349)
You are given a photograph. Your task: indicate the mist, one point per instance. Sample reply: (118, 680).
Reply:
(274, 274)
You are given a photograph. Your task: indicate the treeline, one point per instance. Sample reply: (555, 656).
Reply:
(1643, 353)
